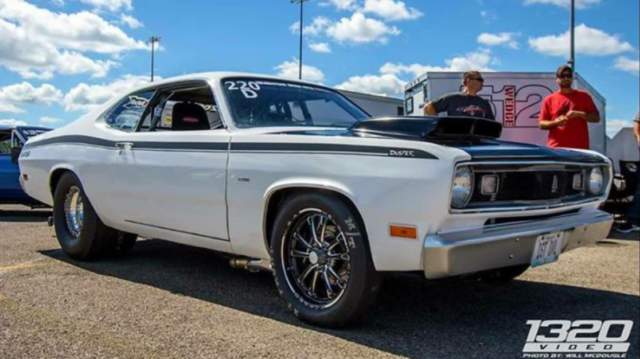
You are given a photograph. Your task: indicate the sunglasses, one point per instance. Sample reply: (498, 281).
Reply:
(479, 79)
(565, 76)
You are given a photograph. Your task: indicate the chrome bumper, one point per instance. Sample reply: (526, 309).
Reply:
(447, 254)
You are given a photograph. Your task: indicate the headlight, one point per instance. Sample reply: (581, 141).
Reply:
(596, 181)
(462, 187)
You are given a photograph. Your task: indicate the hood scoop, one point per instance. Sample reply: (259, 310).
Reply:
(430, 128)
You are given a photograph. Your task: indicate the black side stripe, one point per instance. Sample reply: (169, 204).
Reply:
(139, 145)
(331, 148)
(265, 147)
(80, 140)
(176, 230)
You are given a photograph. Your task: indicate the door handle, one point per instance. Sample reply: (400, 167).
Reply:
(124, 146)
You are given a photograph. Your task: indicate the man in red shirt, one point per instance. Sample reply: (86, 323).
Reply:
(565, 113)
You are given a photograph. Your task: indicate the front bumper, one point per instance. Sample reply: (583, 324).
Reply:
(447, 254)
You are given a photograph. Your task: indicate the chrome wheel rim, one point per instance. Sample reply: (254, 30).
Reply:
(74, 211)
(316, 258)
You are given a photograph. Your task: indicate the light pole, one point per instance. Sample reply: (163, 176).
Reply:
(301, 2)
(572, 56)
(152, 40)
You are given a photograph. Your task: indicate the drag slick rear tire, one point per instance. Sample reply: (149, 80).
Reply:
(80, 232)
(321, 260)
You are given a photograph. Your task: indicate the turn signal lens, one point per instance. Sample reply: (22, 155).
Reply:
(403, 232)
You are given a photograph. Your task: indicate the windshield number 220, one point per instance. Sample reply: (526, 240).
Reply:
(249, 89)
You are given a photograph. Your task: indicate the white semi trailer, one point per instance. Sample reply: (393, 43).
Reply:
(516, 98)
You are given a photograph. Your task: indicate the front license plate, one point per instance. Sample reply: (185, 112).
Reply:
(547, 249)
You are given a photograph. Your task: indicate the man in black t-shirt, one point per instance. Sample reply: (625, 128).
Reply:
(466, 103)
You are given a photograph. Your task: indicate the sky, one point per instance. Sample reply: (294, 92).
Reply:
(61, 58)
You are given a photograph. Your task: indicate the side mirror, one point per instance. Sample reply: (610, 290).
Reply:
(15, 154)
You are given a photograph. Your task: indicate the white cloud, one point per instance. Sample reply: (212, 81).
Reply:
(7, 107)
(383, 85)
(479, 61)
(589, 41)
(110, 5)
(26, 94)
(399, 69)
(341, 4)
(12, 122)
(580, 4)
(613, 126)
(503, 38)
(37, 42)
(85, 97)
(50, 120)
(316, 28)
(33, 58)
(393, 76)
(360, 30)
(322, 47)
(83, 31)
(626, 64)
(290, 70)
(391, 10)
(130, 21)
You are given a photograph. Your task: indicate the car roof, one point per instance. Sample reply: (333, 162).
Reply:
(217, 76)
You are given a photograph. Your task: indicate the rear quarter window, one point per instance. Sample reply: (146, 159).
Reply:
(127, 113)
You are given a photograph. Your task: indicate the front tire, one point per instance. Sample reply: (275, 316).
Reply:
(80, 232)
(321, 260)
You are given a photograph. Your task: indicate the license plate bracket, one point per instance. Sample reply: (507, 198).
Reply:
(547, 249)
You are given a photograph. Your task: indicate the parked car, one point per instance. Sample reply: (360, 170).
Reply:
(12, 138)
(295, 178)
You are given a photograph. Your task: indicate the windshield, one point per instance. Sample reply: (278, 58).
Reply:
(264, 103)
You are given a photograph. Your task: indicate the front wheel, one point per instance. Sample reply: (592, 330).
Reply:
(321, 260)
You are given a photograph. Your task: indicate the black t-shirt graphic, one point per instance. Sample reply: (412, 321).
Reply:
(462, 104)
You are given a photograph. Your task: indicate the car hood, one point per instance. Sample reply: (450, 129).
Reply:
(477, 137)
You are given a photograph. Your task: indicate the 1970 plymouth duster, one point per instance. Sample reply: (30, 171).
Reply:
(293, 177)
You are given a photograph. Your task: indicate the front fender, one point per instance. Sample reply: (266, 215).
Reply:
(299, 183)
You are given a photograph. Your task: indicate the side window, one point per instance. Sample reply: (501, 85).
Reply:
(126, 114)
(408, 105)
(190, 109)
(5, 143)
(15, 141)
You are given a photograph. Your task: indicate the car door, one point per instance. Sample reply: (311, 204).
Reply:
(10, 190)
(170, 181)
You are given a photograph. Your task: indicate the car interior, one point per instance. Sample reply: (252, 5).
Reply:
(187, 109)
(5, 142)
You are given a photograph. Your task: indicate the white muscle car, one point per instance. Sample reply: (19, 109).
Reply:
(295, 178)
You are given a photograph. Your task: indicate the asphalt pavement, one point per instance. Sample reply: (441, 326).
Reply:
(166, 300)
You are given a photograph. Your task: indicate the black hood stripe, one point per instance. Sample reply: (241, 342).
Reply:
(243, 147)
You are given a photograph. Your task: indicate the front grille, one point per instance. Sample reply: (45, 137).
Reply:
(530, 185)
